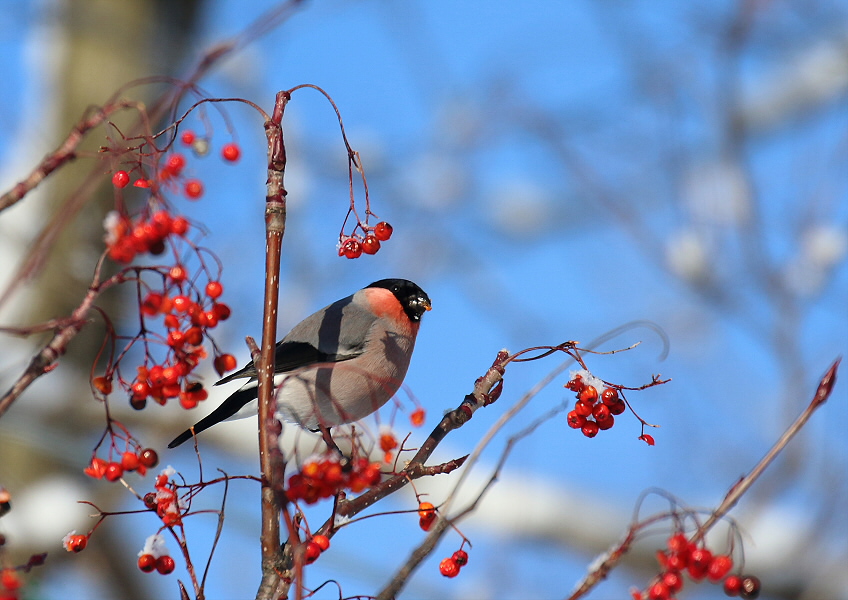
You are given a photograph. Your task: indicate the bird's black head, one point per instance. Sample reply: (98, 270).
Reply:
(413, 299)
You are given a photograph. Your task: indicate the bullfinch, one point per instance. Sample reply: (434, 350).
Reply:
(338, 365)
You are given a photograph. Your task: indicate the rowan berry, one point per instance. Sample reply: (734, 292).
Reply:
(165, 565)
(129, 461)
(231, 152)
(609, 396)
(114, 471)
(370, 245)
(383, 231)
(575, 420)
(659, 591)
(147, 563)
(120, 179)
(449, 568)
(719, 567)
(673, 580)
(175, 164)
(193, 189)
(589, 395)
(148, 458)
(732, 585)
(351, 248)
(460, 557)
(750, 588)
(313, 551)
(590, 429)
(214, 289)
(322, 541)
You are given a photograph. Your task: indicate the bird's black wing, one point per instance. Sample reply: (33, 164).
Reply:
(288, 357)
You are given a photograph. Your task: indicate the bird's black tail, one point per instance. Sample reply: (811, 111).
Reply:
(227, 409)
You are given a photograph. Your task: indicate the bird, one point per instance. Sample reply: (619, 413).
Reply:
(339, 364)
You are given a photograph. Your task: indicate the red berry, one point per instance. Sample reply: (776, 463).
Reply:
(750, 587)
(147, 563)
(165, 565)
(575, 420)
(607, 423)
(582, 409)
(460, 557)
(617, 407)
(322, 541)
(188, 137)
(313, 551)
(659, 591)
(732, 585)
(370, 245)
(576, 385)
(719, 567)
(214, 289)
(148, 458)
(141, 183)
(77, 543)
(425, 523)
(176, 339)
(231, 152)
(590, 429)
(449, 568)
(222, 311)
(678, 544)
(673, 580)
(426, 509)
(589, 395)
(120, 179)
(224, 363)
(383, 231)
(177, 274)
(102, 385)
(175, 164)
(609, 396)
(194, 336)
(179, 225)
(699, 563)
(129, 461)
(114, 471)
(601, 412)
(351, 248)
(193, 189)
(648, 439)
(417, 417)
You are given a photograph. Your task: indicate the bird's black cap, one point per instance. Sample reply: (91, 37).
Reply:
(413, 299)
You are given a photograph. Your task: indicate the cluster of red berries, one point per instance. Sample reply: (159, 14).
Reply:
(322, 478)
(352, 246)
(699, 563)
(187, 321)
(589, 415)
(163, 564)
(154, 556)
(449, 567)
(426, 515)
(164, 500)
(315, 547)
(113, 470)
(126, 238)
